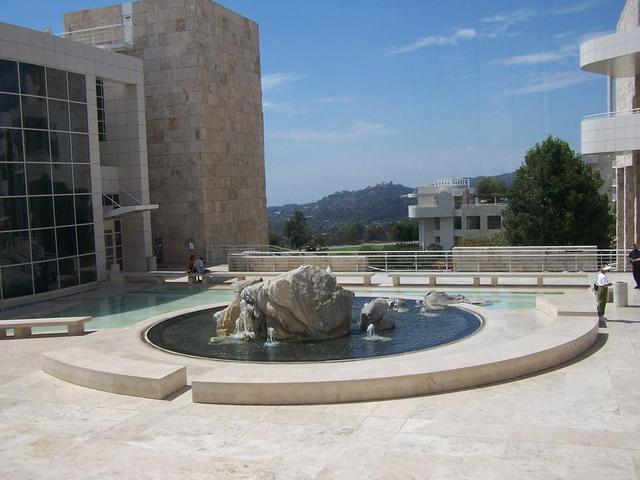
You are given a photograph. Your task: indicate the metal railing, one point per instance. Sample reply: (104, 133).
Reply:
(617, 113)
(109, 36)
(219, 254)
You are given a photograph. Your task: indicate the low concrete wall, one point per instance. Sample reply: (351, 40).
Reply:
(284, 263)
(525, 259)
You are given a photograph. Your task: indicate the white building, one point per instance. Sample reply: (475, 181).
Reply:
(617, 131)
(449, 211)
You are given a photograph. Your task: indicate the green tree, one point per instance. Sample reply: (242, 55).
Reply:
(404, 231)
(554, 200)
(295, 230)
(490, 187)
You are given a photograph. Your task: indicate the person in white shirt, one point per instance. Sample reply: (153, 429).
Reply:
(602, 285)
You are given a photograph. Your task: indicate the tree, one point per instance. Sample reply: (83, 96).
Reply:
(295, 230)
(404, 231)
(554, 200)
(491, 187)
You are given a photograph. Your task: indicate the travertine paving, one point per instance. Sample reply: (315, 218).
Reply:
(578, 421)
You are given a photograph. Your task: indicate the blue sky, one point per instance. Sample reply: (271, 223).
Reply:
(363, 91)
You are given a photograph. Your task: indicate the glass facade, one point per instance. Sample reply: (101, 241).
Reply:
(46, 217)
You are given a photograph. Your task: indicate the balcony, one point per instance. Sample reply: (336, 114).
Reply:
(611, 132)
(616, 55)
(118, 37)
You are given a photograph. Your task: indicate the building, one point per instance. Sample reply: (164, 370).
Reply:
(74, 198)
(204, 120)
(617, 131)
(449, 211)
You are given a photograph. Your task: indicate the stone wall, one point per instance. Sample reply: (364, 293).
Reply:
(285, 263)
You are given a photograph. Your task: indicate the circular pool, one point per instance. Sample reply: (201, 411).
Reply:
(191, 334)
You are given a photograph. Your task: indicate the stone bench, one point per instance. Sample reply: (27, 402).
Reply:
(113, 373)
(158, 277)
(432, 277)
(22, 327)
(212, 276)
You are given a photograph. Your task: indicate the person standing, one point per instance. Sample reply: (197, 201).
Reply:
(602, 288)
(198, 268)
(634, 258)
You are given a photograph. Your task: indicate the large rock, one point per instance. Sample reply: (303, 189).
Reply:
(304, 304)
(440, 300)
(226, 318)
(373, 313)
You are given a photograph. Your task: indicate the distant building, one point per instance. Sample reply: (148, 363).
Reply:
(449, 211)
(615, 134)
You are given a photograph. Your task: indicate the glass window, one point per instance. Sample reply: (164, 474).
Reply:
(457, 223)
(62, 178)
(78, 117)
(88, 269)
(116, 223)
(14, 248)
(82, 178)
(10, 145)
(77, 87)
(64, 210)
(57, 83)
(36, 145)
(80, 147)
(68, 271)
(32, 79)
(66, 241)
(436, 223)
(86, 242)
(16, 281)
(45, 276)
(60, 147)
(13, 213)
(11, 179)
(43, 244)
(39, 178)
(84, 209)
(41, 212)
(494, 222)
(58, 115)
(473, 222)
(9, 110)
(8, 76)
(34, 112)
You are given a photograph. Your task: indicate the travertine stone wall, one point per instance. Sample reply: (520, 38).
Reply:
(204, 121)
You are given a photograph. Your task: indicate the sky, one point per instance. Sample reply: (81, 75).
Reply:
(358, 92)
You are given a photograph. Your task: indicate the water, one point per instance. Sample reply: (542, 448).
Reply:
(191, 335)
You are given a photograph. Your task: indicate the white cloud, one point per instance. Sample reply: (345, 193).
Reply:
(579, 7)
(550, 82)
(460, 34)
(534, 58)
(501, 23)
(356, 131)
(275, 80)
(336, 99)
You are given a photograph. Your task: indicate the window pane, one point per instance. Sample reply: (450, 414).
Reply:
(64, 210)
(32, 79)
(68, 271)
(494, 222)
(45, 276)
(56, 83)
(58, 115)
(473, 222)
(9, 111)
(62, 179)
(78, 117)
(34, 112)
(88, 269)
(77, 87)
(118, 252)
(60, 147)
(39, 178)
(36, 146)
(8, 76)
(11, 179)
(11, 145)
(43, 244)
(13, 213)
(66, 241)
(41, 212)
(80, 147)
(86, 243)
(457, 223)
(82, 178)
(84, 209)
(16, 281)
(14, 248)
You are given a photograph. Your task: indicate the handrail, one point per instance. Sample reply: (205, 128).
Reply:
(92, 29)
(616, 113)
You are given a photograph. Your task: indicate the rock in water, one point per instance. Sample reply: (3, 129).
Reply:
(304, 304)
(439, 300)
(373, 314)
(227, 317)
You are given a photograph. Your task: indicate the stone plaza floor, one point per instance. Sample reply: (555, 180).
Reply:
(581, 420)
